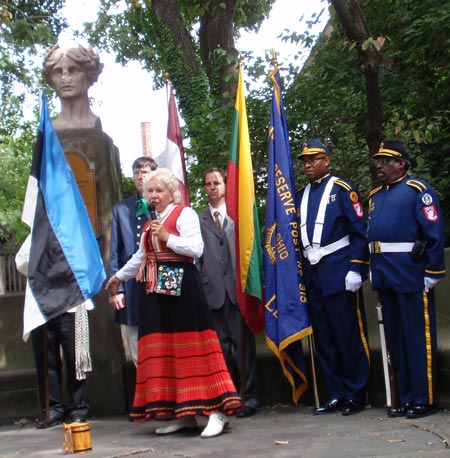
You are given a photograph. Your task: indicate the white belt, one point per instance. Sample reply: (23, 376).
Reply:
(316, 253)
(390, 247)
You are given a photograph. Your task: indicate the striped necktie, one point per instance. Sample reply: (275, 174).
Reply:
(217, 220)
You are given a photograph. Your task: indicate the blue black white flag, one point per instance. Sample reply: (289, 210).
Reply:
(286, 312)
(65, 267)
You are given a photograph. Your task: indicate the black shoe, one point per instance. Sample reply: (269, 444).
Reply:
(395, 412)
(420, 410)
(352, 407)
(44, 424)
(246, 412)
(331, 406)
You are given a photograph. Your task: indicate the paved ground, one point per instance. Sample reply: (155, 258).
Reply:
(278, 431)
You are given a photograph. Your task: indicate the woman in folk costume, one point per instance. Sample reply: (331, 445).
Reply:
(181, 371)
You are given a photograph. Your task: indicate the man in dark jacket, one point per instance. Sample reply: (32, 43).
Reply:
(407, 260)
(218, 272)
(335, 261)
(128, 219)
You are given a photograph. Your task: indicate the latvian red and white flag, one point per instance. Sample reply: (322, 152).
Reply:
(173, 156)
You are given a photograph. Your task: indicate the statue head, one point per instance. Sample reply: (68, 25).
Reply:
(71, 71)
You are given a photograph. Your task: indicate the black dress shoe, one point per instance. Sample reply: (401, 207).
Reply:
(352, 407)
(331, 406)
(420, 410)
(400, 411)
(44, 424)
(246, 412)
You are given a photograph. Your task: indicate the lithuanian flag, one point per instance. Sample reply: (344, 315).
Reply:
(241, 207)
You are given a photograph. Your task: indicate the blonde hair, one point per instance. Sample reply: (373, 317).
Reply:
(169, 179)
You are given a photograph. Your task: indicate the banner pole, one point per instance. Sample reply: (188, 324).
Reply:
(313, 370)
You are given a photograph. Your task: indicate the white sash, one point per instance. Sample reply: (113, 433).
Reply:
(312, 251)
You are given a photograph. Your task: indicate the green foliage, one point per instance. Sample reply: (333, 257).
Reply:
(27, 28)
(15, 163)
(250, 14)
(210, 147)
(328, 98)
(137, 33)
(128, 186)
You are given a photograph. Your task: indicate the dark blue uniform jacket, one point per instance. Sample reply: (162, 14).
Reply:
(344, 216)
(405, 211)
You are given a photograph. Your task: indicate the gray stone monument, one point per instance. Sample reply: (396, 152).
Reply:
(96, 166)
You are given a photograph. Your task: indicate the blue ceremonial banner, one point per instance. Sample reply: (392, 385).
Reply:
(65, 267)
(286, 311)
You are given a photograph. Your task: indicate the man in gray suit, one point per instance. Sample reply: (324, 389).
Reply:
(129, 217)
(217, 267)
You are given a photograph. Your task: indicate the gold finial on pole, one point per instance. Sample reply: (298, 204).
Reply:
(167, 78)
(274, 58)
(240, 62)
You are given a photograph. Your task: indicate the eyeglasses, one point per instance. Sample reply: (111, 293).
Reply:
(312, 160)
(382, 160)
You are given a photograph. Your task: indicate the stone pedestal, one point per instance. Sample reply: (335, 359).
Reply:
(95, 162)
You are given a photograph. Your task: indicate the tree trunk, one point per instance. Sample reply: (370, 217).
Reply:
(216, 33)
(356, 28)
(168, 11)
(195, 82)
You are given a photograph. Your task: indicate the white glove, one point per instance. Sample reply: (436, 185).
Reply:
(353, 281)
(430, 283)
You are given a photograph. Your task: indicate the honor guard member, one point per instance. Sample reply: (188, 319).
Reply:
(335, 261)
(128, 219)
(406, 242)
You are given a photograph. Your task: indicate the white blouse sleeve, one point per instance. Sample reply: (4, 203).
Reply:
(131, 268)
(190, 241)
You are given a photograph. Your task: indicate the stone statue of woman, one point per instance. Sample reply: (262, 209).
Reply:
(71, 72)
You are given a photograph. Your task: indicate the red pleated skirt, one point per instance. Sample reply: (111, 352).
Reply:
(181, 369)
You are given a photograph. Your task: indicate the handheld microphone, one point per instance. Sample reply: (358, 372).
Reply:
(152, 212)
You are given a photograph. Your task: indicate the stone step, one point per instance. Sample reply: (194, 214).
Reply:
(276, 389)
(18, 396)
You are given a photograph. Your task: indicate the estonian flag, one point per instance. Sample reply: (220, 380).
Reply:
(65, 267)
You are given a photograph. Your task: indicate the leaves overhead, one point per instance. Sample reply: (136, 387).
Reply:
(27, 28)
(194, 42)
(329, 98)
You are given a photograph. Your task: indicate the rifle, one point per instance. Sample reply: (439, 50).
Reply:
(390, 380)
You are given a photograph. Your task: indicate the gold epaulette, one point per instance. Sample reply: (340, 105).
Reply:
(421, 187)
(374, 191)
(344, 184)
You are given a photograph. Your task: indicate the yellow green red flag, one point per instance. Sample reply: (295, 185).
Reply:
(241, 207)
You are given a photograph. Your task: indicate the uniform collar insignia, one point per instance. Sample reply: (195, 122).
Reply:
(319, 180)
